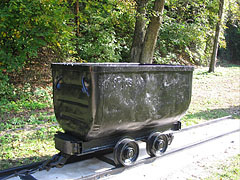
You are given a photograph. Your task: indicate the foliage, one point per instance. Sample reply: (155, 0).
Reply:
(232, 33)
(186, 34)
(27, 25)
(232, 36)
(5, 87)
(26, 99)
(181, 43)
(105, 31)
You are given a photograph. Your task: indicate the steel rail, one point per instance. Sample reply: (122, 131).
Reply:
(116, 170)
(203, 124)
(11, 172)
(7, 173)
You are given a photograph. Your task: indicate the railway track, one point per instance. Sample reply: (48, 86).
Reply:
(187, 138)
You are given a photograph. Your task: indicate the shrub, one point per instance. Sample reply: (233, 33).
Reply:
(27, 25)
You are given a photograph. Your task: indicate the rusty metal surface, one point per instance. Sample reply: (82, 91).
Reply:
(100, 100)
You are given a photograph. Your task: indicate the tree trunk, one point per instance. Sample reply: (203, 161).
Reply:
(152, 32)
(139, 32)
(217, 33)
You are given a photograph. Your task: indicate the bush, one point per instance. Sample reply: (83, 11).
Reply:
(232, 36)
(187, 32)
(106, 29)
(27, 25)
(181, 43)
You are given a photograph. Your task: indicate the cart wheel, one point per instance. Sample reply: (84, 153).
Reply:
(125, 152)
(157, 144)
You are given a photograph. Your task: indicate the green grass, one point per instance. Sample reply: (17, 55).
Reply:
(27, 146)
(228, 170)
(24, 99)
(30, 108)
(36, 118)
(27, 128)
(28, 123)
(214, 95)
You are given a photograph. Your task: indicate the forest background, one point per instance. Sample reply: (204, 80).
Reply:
(35, 33)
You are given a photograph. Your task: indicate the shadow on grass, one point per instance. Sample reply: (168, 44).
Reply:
(214, 114)
(227, 64)
(12, 163)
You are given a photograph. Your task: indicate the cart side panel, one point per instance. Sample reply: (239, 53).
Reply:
(71, 104)
(134, 101)
(94, 101)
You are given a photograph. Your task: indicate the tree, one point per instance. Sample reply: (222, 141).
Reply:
(232, 32)
(217, 33)
(139, 32)
(186, 35)
(143, 46)
(25, 27)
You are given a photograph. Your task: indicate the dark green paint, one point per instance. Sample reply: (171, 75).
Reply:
(120, 99)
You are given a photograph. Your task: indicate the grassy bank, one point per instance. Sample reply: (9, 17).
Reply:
(214, 95)
(27, 125)
(229, 169)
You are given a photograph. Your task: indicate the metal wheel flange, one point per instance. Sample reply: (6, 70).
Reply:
(125, 152)
(157, 144)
